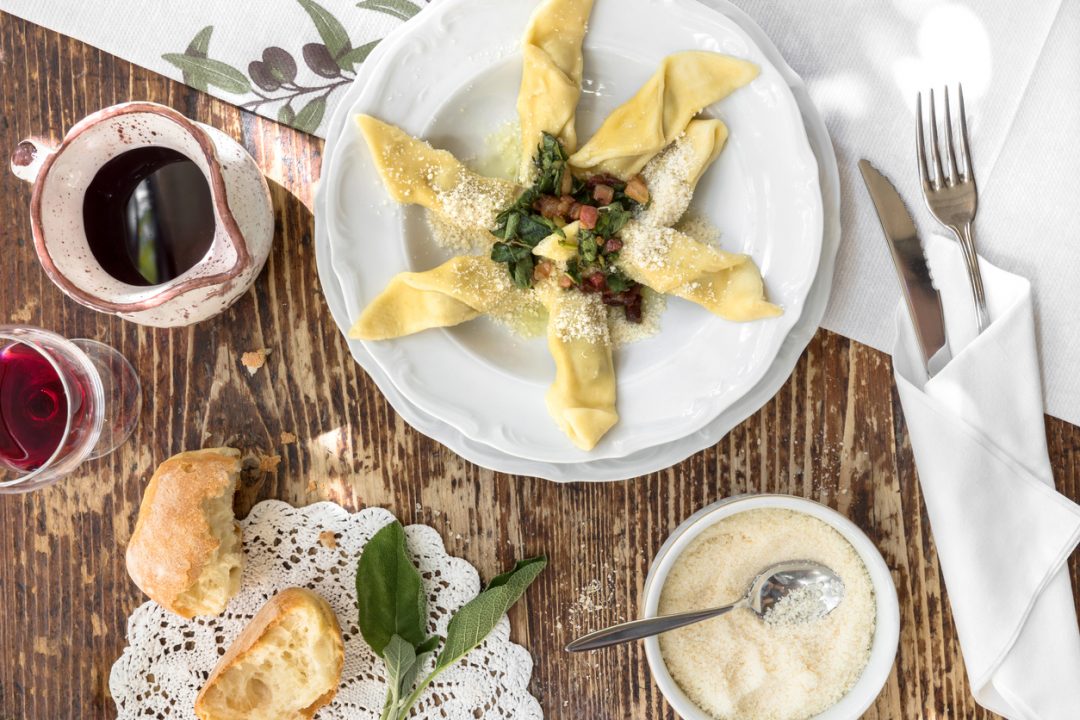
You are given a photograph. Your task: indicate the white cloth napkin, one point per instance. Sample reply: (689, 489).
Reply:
(1003, 533)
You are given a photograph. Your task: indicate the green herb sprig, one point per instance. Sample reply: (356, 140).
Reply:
(393, 616)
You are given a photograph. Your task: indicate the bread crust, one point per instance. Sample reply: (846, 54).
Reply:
(272, 613)
(172, 540)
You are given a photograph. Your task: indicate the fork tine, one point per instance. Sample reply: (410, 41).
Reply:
(954, 174)
(969, 169)
(920, 143)
(939, 173)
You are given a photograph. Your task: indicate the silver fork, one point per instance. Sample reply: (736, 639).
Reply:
(952, 198)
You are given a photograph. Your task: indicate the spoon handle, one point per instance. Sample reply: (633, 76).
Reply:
(638, 629)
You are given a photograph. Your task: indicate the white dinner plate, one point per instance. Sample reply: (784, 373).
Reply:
(660, 456)
(441, 80)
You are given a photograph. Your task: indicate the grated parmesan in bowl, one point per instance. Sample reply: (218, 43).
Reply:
(794, 664)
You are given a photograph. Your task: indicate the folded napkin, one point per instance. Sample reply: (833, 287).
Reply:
(1003, 533)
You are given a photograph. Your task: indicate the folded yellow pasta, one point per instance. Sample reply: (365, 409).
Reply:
(668, 261)
(673, 175)
(686, 83)
(582, 398)
(416, 173)
(671, 262)
(737, 293)
(551, 80)
(456, 291)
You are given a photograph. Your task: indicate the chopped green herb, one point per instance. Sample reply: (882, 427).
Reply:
(523, 272)
(613, 219)
(588, 247)
(573, 270)
(551, 165)
(617, 282)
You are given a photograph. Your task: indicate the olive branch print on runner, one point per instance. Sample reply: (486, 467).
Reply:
(272, 79)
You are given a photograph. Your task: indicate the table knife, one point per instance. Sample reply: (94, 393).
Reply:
(923, 299)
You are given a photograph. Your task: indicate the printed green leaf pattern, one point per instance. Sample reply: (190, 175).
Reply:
(356, 56)
(271, 81)
(198, 48)
(310, 116)
(401, 9)
(330, 30)
(211, 72)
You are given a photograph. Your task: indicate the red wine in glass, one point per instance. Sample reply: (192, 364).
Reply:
(33, 407)
(61, 402)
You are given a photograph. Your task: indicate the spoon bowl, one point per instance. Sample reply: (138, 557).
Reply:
(794, 580)
(801, 581)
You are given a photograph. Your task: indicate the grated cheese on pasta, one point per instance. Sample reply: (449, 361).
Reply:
(581, 317)
(670, 189)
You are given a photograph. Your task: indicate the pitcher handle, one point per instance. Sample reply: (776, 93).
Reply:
(29, 156)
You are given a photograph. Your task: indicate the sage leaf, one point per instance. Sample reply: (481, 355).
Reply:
(401, 9)
(472, 623)
(389, 591)
(356, 56)
(311, 115)
(330, 30)
(211, 72)
(286, 115)
(400, 658)
(428, 645)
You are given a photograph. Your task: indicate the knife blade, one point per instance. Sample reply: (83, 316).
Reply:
(923, 299)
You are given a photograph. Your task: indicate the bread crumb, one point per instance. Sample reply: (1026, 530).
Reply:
(254, 360)
(24, 313)
(287, 438)
(327, 539)
(597, 596)
(269, 463)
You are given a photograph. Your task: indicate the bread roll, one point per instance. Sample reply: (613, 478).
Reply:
(285, 665)
(185, 550)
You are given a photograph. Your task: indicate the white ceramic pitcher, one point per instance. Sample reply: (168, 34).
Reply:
(243, 214)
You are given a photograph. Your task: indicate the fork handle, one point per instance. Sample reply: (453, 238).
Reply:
(966, 235)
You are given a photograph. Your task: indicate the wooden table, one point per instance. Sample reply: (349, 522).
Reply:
(834, 433)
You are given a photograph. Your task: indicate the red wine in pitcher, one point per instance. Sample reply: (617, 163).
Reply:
(149, 215)
(33, 408)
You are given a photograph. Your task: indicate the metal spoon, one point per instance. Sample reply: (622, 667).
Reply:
(768, 588)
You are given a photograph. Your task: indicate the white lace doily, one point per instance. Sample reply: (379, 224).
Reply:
(168, 658)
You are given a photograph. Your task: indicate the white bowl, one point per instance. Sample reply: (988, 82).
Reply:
(886, 631)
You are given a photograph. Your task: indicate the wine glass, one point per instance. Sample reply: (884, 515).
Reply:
(61, 402)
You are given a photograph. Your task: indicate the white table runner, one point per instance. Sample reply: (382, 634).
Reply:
(1019, 62)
